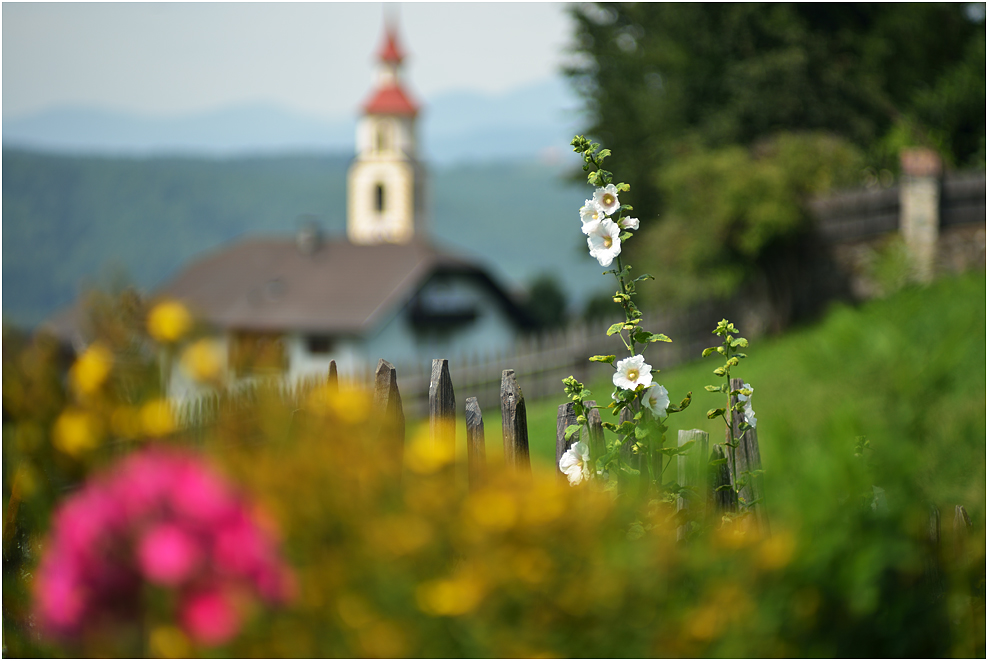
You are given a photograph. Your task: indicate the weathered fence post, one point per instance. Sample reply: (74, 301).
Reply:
(514, 423)
(442, 407)
(691, 471)
(564, 418)
(747, 459)
(387, 403)
(595, 429)
(934, 573)
(333, 378)
(719, 475)
(961, 529)
(476, 448)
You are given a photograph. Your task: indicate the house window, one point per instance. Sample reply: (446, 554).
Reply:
(257, 353)
(379, 198)
(319, 344)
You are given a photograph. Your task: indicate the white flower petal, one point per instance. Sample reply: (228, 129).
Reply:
(656, 399)
(589, 212)
(632, 372)
(629, 223)
(604, 240)
(607, 198)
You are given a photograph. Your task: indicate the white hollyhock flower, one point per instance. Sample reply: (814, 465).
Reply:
(607, 198)
(633, 372)
(628, 223)
(656, 399)
(749, 413)
(589, 212)
(575, 463)
(604, 240)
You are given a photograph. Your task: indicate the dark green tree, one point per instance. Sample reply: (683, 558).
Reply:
(725, 118)
(546, 303)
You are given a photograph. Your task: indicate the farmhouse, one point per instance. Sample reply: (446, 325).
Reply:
(290, 306)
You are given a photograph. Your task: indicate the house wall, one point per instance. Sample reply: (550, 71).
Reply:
(399, 342)
(396, 338)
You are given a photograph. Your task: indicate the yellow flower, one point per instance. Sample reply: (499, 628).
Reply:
(168, 642)
(453, 596)
(157, 418)
(426, 454)
(203, 360)
(169, 321)
(76, 432)
(91, 369)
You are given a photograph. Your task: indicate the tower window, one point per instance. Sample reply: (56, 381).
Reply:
(379, 198)
(383, 137)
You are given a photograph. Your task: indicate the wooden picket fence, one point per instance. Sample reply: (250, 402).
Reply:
(710, 487)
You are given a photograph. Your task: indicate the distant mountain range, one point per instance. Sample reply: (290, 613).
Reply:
(533, 122)
(73, 221)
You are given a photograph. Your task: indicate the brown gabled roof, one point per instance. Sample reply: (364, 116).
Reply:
(269, 285)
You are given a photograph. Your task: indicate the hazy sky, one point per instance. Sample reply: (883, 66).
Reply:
(167, 59)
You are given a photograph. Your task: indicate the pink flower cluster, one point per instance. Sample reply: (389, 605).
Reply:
(159, 517)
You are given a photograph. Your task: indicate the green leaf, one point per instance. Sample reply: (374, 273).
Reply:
(723, 487)
(714, 413)
(572, 429)
(719, 371)
(624, 236)
(718, 462)
(739, 342)
(644, 276)
(615, 328)
(708, 351)
(603, 359)
(623, 187)
(707, 388)
(626, 428)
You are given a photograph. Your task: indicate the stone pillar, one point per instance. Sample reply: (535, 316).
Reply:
(919, 208)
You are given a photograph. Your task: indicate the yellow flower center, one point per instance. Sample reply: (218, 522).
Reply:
(608, 241)
(633, 375)
(608, 199)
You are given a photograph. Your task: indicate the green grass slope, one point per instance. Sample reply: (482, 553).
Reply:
(907, 372)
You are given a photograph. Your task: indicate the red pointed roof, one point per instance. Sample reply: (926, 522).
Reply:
(390, 100)
(390, 51)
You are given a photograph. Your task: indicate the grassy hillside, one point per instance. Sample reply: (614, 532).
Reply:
(907, 372)
(72, 220)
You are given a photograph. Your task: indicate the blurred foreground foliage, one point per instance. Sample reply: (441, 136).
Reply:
(396, 555)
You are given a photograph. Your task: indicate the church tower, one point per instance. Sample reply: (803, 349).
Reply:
(385, 182)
